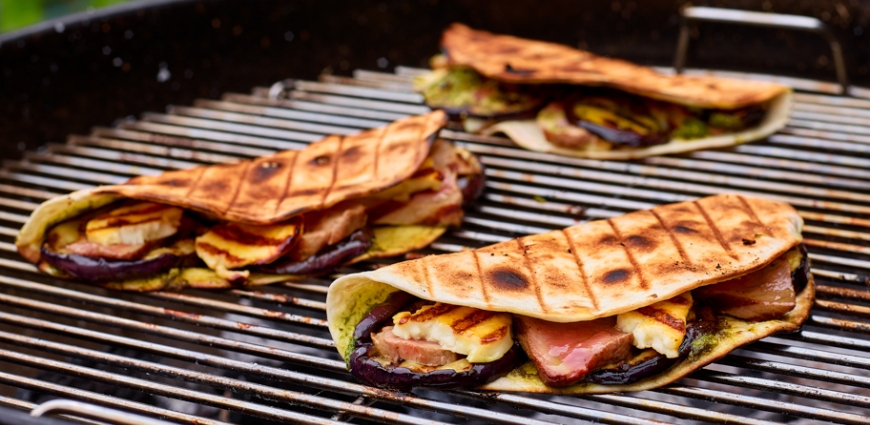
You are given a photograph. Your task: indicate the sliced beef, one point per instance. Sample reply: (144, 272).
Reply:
(328, 227)
(762, 295)
(564, 353)
(396, 349)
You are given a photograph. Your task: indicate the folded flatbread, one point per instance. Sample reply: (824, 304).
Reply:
(643, 265)
(342, 199)
(596, 107)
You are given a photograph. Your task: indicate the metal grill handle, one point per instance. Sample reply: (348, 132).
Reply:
(770, 20)
(96, 412)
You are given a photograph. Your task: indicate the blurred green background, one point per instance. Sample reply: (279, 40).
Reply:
(15, 14)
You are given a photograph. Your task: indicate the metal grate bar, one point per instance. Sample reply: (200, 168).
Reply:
(172, 142)
(818, 163)
(356, 91)
(115, 402)
(783, 387)
(180, 316)
(767, 405)
(26, 407)
(287, 114)
(195, 133)
(204, 359)
(383, 116)
(166, 390)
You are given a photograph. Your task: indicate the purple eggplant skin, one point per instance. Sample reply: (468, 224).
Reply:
(472, 186)
(630, 372)
(371, 372)
(622, 137)
(380, 314)
(327, 260)
(101, 269)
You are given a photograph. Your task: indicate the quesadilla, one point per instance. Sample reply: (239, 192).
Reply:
(553, 98)
(624, 304)
(294, 214)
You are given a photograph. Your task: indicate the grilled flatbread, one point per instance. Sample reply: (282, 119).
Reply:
(597, 270)
(335, 174)
(529, 63)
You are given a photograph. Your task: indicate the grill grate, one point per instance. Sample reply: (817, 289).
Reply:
(251, 354)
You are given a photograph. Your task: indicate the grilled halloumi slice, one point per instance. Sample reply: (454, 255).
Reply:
(134, 224)
(483, 336)
(233, 245)
(660, 326)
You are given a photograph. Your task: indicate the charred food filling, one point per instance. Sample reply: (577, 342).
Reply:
(134, 239)
(423, 336)
(580, 117)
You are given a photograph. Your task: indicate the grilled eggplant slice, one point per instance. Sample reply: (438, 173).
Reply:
(327, 259)
(179, 254)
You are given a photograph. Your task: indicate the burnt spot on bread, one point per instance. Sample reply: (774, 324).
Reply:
(684, 229)
(352, 153)
(608, 240)
(321, 160)
(617, 276)
(174, 182)
(640, 243)
(265, 170)
(511, 70)
(508, 280)
(306, 192)
(214, 186)
(398, 148)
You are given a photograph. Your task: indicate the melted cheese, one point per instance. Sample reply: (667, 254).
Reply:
(134, 224)
(484, 336)
(660, 326)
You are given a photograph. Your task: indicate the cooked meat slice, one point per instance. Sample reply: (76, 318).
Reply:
(762, 295)
(397, 349)
(441, 208)
(328, 227)
(565, 352)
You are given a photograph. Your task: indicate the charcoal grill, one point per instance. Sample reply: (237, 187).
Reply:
(264, 355)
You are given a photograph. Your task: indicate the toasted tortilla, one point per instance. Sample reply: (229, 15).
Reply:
(265, 190)
(518, 60)
(273, 188)
(593, 270)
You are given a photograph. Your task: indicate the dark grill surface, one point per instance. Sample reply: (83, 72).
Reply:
(264, 354)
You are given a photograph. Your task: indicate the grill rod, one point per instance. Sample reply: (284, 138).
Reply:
(490, 223)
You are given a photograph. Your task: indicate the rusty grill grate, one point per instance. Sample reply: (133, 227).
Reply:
(249, 355)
